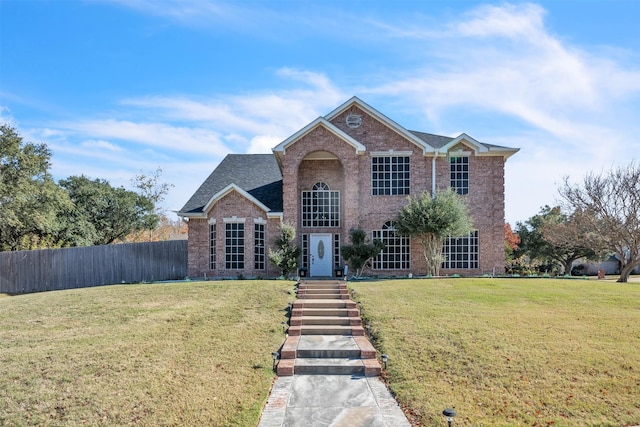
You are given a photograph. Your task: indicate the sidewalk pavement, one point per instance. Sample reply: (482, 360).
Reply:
(331, 401)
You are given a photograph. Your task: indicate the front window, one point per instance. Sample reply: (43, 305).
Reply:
(396, 254)
(234, 246)
(321, 207)
(390, 175)
(459, 168)
(212, 246)
(461, 252)
(258, 238)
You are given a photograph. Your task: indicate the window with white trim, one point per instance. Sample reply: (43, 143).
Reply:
(396, 254)
(321, 207)
(336, 249)
(459, 169)
(212, 246)
(234, 245)
(258, 241)
(461, 252)
(305, 250)
(390, 175)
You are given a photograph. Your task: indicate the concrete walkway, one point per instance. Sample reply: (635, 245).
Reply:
(328, 370)
(331, 400)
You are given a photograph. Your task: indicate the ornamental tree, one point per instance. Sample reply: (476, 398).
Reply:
(430, 220)
(286, 256)
(360, 252)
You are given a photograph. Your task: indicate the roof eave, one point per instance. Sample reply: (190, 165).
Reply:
(426, 148)
(281, 148)
(228, 189)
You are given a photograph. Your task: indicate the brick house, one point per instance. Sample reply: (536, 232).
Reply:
(353, 168)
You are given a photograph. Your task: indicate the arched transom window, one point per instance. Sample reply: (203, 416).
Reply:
(320, 206)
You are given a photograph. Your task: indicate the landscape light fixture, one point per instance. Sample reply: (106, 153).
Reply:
(284, 326)
(385, 359)
(275, 356)
(449, 414)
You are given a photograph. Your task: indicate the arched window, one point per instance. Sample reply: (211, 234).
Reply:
(396, 254)
(320, 207)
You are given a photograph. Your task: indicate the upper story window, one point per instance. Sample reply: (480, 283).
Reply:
(390, 175)
(321, 207)
(459, 169)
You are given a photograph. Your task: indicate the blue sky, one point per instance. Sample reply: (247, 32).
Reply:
(120, 87)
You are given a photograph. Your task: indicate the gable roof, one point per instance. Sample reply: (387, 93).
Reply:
(445, 143)
(320, 121)
(255, 176)
(426, 148)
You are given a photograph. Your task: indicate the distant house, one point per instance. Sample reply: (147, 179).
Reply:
(353, 168)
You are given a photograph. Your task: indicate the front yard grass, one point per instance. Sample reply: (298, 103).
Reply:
(533, 352)
(501, 351)
(195, 353)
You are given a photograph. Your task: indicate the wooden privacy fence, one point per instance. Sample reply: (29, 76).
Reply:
(67, 268)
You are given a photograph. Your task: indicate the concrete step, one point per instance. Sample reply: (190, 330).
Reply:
(330, 312)
(328, 346)
(323, 296)
(327, 291)
(323, 286)
(325, 320)
(337, 366)
(325, 330)
(304, 303)
(321, 282)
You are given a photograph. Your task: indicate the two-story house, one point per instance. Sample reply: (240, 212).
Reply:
(353, 168)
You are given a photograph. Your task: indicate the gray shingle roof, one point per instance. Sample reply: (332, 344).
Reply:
(436, 141)
(257, 174)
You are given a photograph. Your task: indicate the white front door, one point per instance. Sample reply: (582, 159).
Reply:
(320, 255)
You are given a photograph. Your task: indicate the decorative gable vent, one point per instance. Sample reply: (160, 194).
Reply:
(354, 120)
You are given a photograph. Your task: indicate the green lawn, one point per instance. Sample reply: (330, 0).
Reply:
(187, 354)
(501, 351)
(510, 351)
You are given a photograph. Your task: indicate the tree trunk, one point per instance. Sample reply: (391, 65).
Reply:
(626, 271)
(567, 267)
(432, 252)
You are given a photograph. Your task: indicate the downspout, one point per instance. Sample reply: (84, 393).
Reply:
(433, 174)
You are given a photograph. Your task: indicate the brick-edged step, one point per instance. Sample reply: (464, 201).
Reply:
(344, 355)
(325, 334)
(326, 320)
(326, 330)
(329, 366)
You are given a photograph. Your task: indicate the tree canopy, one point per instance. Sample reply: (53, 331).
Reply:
(35, 212)
(104, 213)
(553, 239)
(609, 207)
(432, 219)
(29, 198)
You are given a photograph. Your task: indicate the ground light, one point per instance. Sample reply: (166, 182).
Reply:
(385, 359)
(275, 356)
(449, 414)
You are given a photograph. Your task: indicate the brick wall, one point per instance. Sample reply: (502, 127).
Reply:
(233, 204)
(346, 171)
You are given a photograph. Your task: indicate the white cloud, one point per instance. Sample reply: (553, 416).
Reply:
(158, 135)
(100, 144)
(263, 144)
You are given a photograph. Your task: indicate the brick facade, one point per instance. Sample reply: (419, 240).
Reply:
(322, 153)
